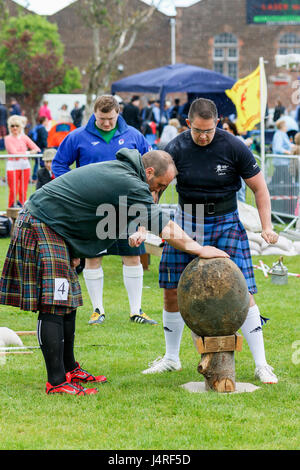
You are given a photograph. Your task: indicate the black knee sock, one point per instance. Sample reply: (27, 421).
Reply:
(69, 337)
(50, 334)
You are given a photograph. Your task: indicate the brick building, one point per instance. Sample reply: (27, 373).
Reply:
(213, 34)
(151, 49)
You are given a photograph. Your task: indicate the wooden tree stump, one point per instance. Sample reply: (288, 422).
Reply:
(213, 300)
(217, 363)
(218, 369)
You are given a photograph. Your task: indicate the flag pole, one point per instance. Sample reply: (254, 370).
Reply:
(262, 115)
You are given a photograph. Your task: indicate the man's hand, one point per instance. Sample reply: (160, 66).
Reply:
(75, 262)
(137, 238)
(212, 252)
(269, 236)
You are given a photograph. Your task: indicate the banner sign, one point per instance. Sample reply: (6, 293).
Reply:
(273, 12)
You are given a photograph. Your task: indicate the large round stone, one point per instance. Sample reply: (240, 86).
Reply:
(213, 297)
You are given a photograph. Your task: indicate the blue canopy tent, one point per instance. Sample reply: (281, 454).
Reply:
(195, 81)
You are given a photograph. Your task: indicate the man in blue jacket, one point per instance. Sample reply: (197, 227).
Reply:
(104, 135)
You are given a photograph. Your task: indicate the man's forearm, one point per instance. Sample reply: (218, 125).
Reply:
(263, 204)
(177, 238)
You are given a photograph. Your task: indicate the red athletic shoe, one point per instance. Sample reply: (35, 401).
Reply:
(69, 388)
(80, 375)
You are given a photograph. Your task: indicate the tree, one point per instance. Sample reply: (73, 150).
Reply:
(71, 80)
(115, 25)
(31, 59)
(38, 72)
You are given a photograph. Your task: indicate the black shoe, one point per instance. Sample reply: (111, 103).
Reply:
(142, 318)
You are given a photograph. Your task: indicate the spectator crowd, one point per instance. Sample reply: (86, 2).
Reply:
(159, 123)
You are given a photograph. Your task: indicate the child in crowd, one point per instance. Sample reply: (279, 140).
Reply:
(45, 174)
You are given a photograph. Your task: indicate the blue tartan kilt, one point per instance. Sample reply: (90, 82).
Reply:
(225, 232)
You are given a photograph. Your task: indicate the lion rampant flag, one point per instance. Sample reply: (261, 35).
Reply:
(249, 99)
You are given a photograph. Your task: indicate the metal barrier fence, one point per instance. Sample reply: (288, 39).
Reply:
(282, 174)
(168, 197)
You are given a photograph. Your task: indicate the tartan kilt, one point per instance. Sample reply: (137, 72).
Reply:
(225, 232)
(36, 257)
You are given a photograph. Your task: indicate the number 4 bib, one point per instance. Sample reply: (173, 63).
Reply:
(61, 289)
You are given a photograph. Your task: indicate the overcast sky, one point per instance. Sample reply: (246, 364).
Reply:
(49, 7)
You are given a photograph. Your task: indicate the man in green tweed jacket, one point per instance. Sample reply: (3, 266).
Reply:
(80, 214)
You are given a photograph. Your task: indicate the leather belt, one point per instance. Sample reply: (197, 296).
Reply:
(212, 208)
(20, 222)
(23, 224)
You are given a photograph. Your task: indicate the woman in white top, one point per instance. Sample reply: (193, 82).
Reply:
(64, 115)
(169, 132)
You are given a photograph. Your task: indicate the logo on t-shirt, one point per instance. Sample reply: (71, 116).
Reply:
(121, 141)
(221, 170)
(95, 143)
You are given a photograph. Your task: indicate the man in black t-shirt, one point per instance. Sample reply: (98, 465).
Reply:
(210, 163)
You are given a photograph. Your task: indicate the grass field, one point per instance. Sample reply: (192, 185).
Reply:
(133, 411)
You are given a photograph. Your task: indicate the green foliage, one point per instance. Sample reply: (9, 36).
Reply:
(43, 32)
(71, 82)
(44, 36)
(42, 41)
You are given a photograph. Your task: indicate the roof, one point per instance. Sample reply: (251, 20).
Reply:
(50, 7)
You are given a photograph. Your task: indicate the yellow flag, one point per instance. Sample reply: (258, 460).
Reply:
(246, 96)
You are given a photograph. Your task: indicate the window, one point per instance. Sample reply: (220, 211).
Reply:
(218, 53)
(225, 54)
(218, 67)
(225, 38)
(232, 69)
(232, 52)
(289, 43)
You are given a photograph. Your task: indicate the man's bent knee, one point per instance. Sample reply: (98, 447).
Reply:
(93, 263)
(131, 260)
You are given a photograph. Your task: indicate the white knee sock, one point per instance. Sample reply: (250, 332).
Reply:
(133, 281)
(173, 328)
(252, 330)
(94, 279)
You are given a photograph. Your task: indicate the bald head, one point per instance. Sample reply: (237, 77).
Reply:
(160, 171)
(160, 161)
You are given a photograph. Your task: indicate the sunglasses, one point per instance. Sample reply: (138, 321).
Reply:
(200, 131)
(14, 125)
